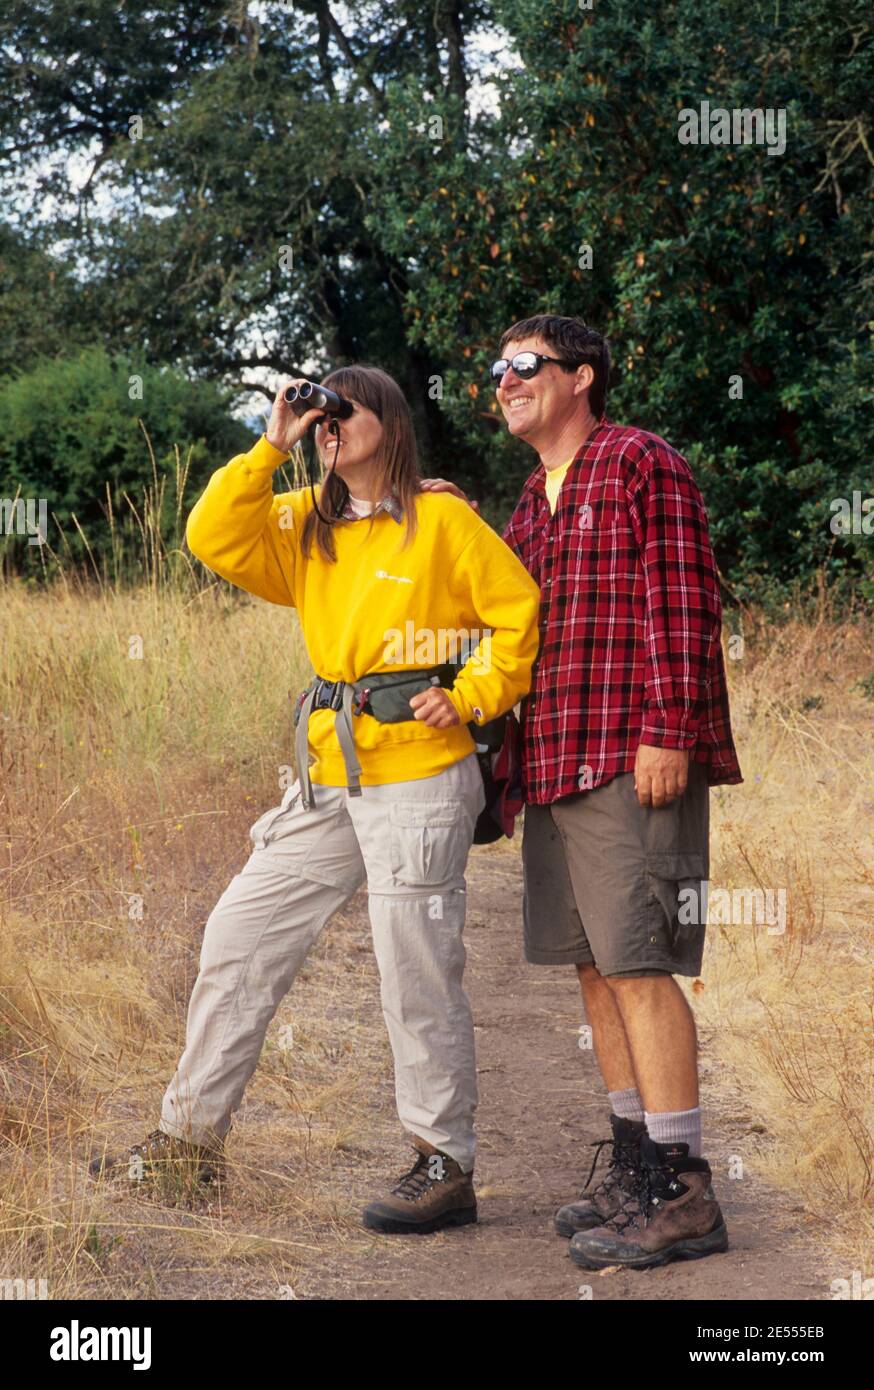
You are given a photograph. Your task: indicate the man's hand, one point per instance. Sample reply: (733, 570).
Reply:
(442, 485)
(660, 774)
(435, 708)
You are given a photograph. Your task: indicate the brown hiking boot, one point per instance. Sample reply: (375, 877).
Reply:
(434, 1194)
(673, 1215)
(605, 1199)
(174, 1163)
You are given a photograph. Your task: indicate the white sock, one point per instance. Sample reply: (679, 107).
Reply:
(626, 1104)
(676, 1127)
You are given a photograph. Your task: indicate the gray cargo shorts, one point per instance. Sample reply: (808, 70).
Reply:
(604, 878)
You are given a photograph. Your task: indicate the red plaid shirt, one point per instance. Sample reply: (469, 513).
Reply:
(630, 617)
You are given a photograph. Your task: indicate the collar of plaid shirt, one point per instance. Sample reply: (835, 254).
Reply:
(390, 504)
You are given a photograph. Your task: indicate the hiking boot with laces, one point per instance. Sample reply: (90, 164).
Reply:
(671, 1215)
(434, 1194)
(597, 1206)
(160, 1157)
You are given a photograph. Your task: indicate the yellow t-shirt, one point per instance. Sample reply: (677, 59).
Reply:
(554, 480)
(380, 607)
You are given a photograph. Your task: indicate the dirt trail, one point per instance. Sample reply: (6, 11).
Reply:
(318, 1137)
(541, 1105)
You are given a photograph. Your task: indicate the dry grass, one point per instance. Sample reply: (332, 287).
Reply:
(142, 732)
(127, 784)
(789, 1013)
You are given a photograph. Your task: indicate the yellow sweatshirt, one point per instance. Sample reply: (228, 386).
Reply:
(379, 607)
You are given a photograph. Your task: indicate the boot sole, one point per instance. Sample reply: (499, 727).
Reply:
(714, 1243)
(394, 1226)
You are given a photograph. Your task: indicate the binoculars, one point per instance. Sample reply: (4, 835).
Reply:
(310, 396)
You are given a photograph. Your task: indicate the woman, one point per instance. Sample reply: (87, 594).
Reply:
(390, 803)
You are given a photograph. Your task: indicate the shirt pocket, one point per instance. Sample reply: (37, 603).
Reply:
(428, 842)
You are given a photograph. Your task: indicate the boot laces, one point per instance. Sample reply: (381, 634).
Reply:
(624, 1158)
(156, 1141)
(646, 1190)
(159, 1144)
(418, 1180)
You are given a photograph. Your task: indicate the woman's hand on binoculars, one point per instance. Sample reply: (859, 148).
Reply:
(284, 428)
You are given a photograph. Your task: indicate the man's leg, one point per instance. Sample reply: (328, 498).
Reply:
(609, 1039)
(662, 1043)
(555, 935)
(630, 867)
(627, 864)
(598, 1202)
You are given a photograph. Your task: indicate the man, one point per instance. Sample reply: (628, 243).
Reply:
(625, 728)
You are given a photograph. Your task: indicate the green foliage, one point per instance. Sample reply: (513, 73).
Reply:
(40, 302)
(313, 131)
(70, 432)
(710, 266)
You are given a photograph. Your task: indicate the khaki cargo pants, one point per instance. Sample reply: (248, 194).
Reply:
(409, 841)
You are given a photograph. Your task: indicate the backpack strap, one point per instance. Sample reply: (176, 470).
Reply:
(343, 730)
(301, 746)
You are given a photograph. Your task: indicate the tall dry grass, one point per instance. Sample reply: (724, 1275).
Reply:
(138, 734)
(788, 1015)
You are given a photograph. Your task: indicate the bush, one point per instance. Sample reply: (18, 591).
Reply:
(73, 432)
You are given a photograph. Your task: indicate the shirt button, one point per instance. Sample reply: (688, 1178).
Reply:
(653, 939)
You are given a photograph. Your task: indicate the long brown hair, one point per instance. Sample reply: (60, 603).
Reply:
(397, 456)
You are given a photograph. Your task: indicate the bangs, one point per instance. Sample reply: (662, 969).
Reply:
(368, 386)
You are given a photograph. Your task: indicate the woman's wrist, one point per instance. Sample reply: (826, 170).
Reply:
(273, 445)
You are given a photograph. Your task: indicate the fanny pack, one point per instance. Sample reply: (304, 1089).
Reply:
(386, 696)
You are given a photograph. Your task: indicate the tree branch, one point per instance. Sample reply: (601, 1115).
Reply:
(358, 64)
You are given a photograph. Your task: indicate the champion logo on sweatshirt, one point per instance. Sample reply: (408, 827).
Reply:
(398, 578)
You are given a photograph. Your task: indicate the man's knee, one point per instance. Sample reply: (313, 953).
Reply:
(635, 985)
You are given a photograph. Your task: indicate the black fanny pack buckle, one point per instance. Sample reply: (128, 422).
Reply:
(329, 695)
